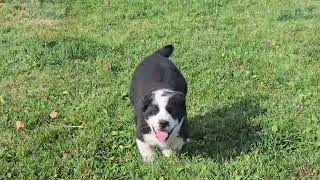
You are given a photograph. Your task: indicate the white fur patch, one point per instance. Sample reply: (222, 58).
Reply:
(146, 150)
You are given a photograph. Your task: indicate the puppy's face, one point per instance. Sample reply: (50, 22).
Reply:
(163, 110)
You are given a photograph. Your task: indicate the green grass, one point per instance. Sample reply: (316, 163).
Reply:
(253, 69)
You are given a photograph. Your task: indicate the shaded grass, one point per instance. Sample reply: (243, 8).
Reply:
(252, 69)
(225, 133)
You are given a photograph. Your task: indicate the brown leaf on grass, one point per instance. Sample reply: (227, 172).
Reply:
(65, 154)
(53, 114)
(19, 125)
(302, 171)
(108, 66)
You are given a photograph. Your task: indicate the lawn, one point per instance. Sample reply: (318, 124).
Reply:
(252, 66)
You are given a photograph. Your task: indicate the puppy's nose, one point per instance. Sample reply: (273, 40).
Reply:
(163, 124)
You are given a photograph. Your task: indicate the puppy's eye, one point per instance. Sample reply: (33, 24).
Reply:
(151, 110)
(146, 101)
(170, 110)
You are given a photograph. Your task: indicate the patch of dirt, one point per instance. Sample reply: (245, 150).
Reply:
(45, 23)
(40, 23)
(21, 15)
(305, 170)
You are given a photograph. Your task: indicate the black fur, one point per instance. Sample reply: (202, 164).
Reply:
(157, 72)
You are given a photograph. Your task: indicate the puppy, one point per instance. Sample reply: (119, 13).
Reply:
(158, 94)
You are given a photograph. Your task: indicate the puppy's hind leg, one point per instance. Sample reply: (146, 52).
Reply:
(146, 150)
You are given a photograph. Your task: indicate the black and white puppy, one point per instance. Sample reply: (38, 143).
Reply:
(158, 93)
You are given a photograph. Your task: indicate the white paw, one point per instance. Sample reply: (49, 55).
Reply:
(147, 152)
(167, 152)
(149, 159)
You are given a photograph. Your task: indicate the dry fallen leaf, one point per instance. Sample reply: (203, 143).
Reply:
(318, 173)
(53, 114)
(19, 125)
(65, 154)
(108, 66)
(302, 171)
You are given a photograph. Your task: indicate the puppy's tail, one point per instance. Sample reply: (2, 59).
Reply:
(166, 51)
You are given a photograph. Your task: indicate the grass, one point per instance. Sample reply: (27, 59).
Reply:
(252, 67)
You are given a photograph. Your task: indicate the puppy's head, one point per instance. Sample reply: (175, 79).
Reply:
(163, 110)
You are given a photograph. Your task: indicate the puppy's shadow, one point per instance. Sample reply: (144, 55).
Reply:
(225, 133)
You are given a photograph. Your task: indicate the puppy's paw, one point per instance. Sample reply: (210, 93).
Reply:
(167, 152)
(148, 159)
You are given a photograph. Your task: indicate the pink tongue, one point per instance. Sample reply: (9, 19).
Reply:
(161, 136)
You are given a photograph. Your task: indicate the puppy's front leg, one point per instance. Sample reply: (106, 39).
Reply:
(167, 152)
(146, 150)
